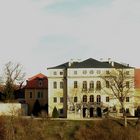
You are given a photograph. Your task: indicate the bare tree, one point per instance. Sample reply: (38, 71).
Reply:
(79, 98)
(75, 100)
(121, 83)
(13, 76)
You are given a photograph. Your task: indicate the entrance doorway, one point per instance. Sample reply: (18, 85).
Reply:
(91, 112)
(99, 113)
(84, 112)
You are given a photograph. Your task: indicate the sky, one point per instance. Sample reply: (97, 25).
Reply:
(44, 33)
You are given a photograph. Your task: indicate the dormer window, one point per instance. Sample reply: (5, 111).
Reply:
(40, 82)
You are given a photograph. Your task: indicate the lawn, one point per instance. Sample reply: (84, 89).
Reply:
(12, 128)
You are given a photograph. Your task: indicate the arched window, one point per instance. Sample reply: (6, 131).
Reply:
(84, 85)
(91, 98)
(84, 98)
(98, 98)
(98, 85)
(91, 85)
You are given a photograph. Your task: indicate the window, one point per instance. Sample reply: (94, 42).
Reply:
(114, 108)
(84, 98)
(107, 84)
(75, 99)
(98, 98)
(31, 95)
(54, 73)
(38, 95)
(127, 84)
(127, 99)
(40, 82)
(91, 72)
(91, 98)
(98, 71)
(61, 85)
(55, 85)
(121, 110)
(84, 72)
(61, 111)
(127, 72)
(61, 72)
(121, 99)
(75, 84)
(41, 95)
(127, 110)
(91, 85)
(84, 85)
(107, 72)
(75, 72)
(107, 99)
(98, 85)
(55, 100)
(61, 99)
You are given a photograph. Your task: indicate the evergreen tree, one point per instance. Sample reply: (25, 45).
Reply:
(36, 108)
(46, 108)
(55, 113)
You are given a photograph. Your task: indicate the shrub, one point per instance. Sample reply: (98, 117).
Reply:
(55, 113)
(36, 108)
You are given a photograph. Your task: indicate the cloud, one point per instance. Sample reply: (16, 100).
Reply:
(106, 30)
(40, 38)
(72, 7)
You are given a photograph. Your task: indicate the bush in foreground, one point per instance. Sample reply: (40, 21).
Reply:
(14, 128)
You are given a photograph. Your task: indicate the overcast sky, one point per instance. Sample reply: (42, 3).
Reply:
(44, 33)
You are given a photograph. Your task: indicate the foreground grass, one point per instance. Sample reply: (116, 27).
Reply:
(12, 128)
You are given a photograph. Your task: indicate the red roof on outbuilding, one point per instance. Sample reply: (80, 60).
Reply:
(39, 81)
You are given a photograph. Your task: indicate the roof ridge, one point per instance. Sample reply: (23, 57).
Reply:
(39, 75)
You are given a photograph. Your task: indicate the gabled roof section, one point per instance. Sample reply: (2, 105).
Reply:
(65, 65)
(39, 81)
(62, 66)
(39, 76)
(91, 63)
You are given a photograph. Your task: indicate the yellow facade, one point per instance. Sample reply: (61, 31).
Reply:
(31, 100)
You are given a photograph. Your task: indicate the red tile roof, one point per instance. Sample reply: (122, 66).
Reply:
(39, 81)
(137, 78)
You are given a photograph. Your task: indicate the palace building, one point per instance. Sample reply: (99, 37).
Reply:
(78, 90)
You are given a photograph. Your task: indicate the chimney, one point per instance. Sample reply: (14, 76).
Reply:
(69, 64)
(112, 63)
(72, 61)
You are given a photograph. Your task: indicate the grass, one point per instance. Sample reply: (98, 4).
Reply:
(12, 128)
